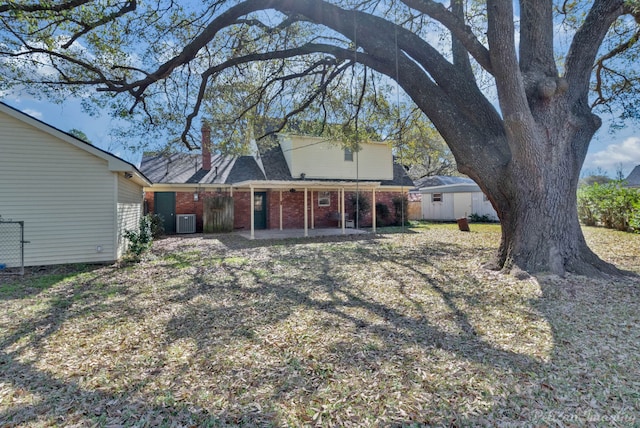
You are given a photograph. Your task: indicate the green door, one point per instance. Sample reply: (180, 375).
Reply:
(260, 210)
(164, 204)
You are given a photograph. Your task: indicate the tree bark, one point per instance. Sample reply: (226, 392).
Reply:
(535, 197)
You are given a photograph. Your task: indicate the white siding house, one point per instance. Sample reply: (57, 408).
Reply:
(319, 158)
(75, 199)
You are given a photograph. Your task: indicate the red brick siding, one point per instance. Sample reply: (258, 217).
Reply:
(387, 199)
(242, 210)
(186, 205)
(148, 200)
(292, 208)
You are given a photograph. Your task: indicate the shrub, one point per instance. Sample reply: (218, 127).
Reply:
(157, 225)
(140, 241)
(477, 218)
(610, 205)
(634, 218)
(359, 203)
(401, 208)
(382, 213)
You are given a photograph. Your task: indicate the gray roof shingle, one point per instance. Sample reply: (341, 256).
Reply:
(441, 180)
(245, 169)
(186, 168)
(633, 180)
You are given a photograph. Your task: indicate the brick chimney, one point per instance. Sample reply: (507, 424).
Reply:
(206, 147)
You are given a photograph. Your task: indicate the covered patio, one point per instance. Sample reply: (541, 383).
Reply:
(308, 189)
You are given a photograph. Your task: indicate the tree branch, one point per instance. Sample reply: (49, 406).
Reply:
(619, 49)
(460, 54)
(536, 38)
(286, 53)
(455, 24)
(42, 7)
(130, 6)
(585, 45)
(509, 82)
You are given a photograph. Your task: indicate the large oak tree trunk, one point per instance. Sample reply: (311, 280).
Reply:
(535, 196)
(541, 232)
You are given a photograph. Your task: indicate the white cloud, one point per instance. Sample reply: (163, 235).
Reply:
(33, 113)
(623, 156)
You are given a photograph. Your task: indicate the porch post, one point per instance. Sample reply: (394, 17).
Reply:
(373, 210)
(306, 214)
(253, 207)
(280, 209)
(313, 224)
(342, 210)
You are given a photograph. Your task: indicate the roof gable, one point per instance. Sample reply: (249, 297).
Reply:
(115, 164)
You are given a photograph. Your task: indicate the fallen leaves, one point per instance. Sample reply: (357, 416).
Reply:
(386, 330)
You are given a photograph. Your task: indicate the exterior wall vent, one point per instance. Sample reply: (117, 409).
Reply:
(186, 223)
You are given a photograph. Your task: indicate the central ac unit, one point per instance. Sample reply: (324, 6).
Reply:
(186, 223)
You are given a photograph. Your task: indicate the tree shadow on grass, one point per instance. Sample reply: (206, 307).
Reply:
(264, 296)
(40, 278)
(248, 333)
(33, 392)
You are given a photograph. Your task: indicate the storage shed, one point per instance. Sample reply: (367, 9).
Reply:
(451, 198)
(75, 199)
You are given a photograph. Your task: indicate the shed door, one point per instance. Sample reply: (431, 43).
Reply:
(164, 204)
(461, 205)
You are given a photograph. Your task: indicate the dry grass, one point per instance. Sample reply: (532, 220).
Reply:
(396, 330)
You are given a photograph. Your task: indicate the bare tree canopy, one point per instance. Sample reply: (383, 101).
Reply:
(515, 105)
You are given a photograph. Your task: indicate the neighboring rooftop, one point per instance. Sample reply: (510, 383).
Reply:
(633, 180)
(441, 180)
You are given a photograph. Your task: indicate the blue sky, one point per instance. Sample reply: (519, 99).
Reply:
(609, 152)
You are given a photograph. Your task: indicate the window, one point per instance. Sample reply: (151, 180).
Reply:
(348, 155)
(257, 202)
(436, 197)
(324, 199)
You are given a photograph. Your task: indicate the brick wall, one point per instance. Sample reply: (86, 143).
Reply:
(366, 219)
(185, 204)
(292, 208)
(242, 210)
(387, 199)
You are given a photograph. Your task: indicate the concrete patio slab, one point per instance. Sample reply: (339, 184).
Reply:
(299, 233)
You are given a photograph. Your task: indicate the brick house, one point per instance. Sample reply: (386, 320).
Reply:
(290, 182)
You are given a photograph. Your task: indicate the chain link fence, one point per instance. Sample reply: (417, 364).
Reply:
(11, 247)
